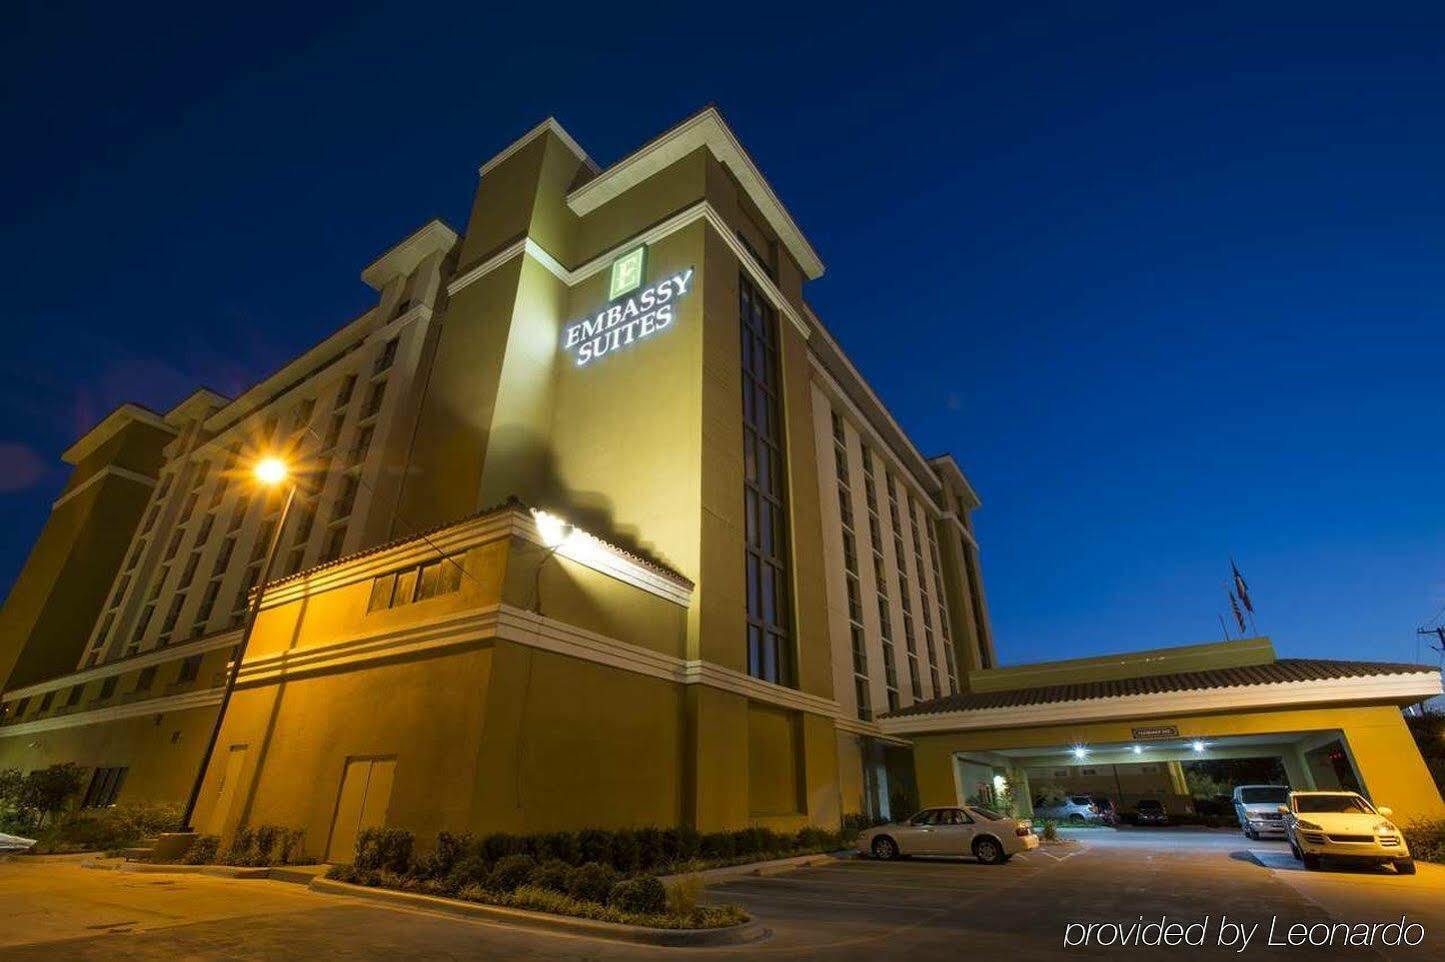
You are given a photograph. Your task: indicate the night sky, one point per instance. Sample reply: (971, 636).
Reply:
(1167, 284)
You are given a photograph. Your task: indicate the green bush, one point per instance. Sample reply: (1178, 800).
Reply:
(451, 849)
(203, 851)
(624, 851)
(552, 875)
(561, 846)
(719, 845)
(384, 849)
(649, 847)
(511, 873)
(499, 845)
(644, 895)
(1051, 829)
(1426, 840)
(118, 826)
(594, 845)
(680, 844)
(592, 882)
(472, 870)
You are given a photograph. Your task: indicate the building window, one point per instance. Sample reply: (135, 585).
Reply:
(73, 698)
(880, 581)
(46, 701)
(975, 597)
(852, 584)
(20, 707)
(107, 688)
(429, 580)
(770, 647)
(343, 397)
(104, 786)
(373, 399)
(190, 669)
(387, 357)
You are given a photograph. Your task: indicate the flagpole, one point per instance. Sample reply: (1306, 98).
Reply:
(1225, 628)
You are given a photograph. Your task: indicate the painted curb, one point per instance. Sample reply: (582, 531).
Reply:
(217, 871)
(754, 869)
(676, 938)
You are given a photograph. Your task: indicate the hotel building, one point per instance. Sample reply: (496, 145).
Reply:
(593, 523)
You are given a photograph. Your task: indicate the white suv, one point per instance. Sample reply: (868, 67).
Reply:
(1257, 807)
(1342, 825)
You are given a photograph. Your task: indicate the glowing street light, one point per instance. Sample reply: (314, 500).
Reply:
(271, 471)
(1198, 746)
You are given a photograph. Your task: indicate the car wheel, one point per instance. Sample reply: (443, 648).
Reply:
(989, 851)
(885, 848)
(1405, 866)
(1251, 834)
(1312, 862)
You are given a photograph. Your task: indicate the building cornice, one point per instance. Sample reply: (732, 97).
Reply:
(111, 425)
(110, 713)
(432, 237)
(155, 656)
(702, 210)
(548, 125)
(588, 551)
(704, 129)
(1276, 695)
(109, 470)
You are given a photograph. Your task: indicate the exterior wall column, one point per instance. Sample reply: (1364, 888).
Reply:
(1389, 765)
(1298, 772)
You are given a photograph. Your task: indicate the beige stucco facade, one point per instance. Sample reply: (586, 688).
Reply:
(763, 567)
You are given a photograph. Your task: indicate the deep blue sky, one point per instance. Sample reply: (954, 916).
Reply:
(1168, 284)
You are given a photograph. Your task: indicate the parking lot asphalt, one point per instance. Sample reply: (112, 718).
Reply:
(854, 909)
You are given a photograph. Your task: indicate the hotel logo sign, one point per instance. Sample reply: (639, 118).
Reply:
(1156, 731)
(627, 273)
(626, 319)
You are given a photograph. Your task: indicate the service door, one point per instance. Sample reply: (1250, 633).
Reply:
(230, 791)
(365, 793)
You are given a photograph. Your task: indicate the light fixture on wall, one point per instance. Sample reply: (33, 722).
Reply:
(1080, 751)
(1197, 746)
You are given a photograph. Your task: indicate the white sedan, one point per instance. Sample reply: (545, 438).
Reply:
(1343, 825)
(988, 836)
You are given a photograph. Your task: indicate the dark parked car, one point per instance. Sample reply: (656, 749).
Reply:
(1150, 811)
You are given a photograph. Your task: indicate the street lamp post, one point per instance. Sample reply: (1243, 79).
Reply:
(270, 472)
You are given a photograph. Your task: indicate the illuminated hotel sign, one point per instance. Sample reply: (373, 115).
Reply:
(625, 320)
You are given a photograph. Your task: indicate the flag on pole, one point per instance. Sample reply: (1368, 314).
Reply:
(1238, 615)
(1241, 588)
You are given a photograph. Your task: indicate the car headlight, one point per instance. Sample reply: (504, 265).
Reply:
(1386, 827)
(1309, 825)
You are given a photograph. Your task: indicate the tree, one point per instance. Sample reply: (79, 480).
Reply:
(1428, 728)
(46, 790)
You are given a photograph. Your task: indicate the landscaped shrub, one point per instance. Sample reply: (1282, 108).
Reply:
(202, 851)
(105, 829)
(511, 873)
(552, 875)
(242, 850)
(1051, 830)
(649, 847)
(591, 882)
(499, 845)
(594, 845)
(472, 870)
(685, 894)
(561, 846)
(384, 849)
(1426, 840)
(451, 849)
(624, 851)
(680, 844)
(644, 895)
(719, 845)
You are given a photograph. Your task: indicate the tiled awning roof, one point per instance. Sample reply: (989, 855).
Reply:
(1273, 673)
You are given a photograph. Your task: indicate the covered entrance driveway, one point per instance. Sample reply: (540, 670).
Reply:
(1329, 724)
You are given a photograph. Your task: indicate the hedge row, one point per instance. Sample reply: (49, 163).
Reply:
(626, 851)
